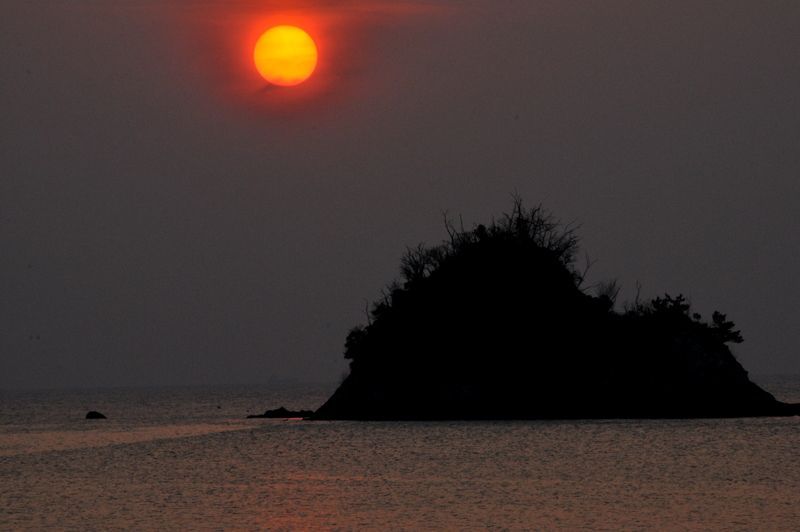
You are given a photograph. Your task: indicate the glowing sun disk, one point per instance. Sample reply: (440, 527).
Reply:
(285, 55)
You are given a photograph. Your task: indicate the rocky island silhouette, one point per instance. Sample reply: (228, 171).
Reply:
(493, 324)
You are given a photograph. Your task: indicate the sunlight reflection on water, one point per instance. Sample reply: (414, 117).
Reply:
(719, 474)
(19, 441)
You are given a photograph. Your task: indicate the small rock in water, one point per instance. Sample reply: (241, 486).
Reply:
(283, 413)
(95, 415)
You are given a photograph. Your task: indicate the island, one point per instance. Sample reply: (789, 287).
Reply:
(495, 323)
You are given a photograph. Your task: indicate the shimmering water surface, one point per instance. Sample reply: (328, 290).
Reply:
(186, 459)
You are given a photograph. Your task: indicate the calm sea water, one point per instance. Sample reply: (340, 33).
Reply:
(187, 460)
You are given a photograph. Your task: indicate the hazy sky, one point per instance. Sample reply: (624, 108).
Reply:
(166, 218)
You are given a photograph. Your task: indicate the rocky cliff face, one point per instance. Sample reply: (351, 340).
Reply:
(672, 377)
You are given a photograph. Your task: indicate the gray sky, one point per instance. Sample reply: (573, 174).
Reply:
(165, 219)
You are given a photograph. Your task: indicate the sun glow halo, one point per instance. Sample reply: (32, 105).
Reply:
(285, 55)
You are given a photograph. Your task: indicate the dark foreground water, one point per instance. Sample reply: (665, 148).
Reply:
(185, 459)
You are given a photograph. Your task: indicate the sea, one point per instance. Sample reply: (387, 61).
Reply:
(188, 459)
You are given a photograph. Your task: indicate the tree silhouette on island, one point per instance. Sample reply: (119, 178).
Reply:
(493, 324)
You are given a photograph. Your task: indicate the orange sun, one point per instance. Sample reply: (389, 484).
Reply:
(285, 55)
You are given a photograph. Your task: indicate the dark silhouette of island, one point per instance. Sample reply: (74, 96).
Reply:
(493, 324)
(93, 414)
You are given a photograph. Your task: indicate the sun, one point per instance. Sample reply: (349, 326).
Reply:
(285, 55)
